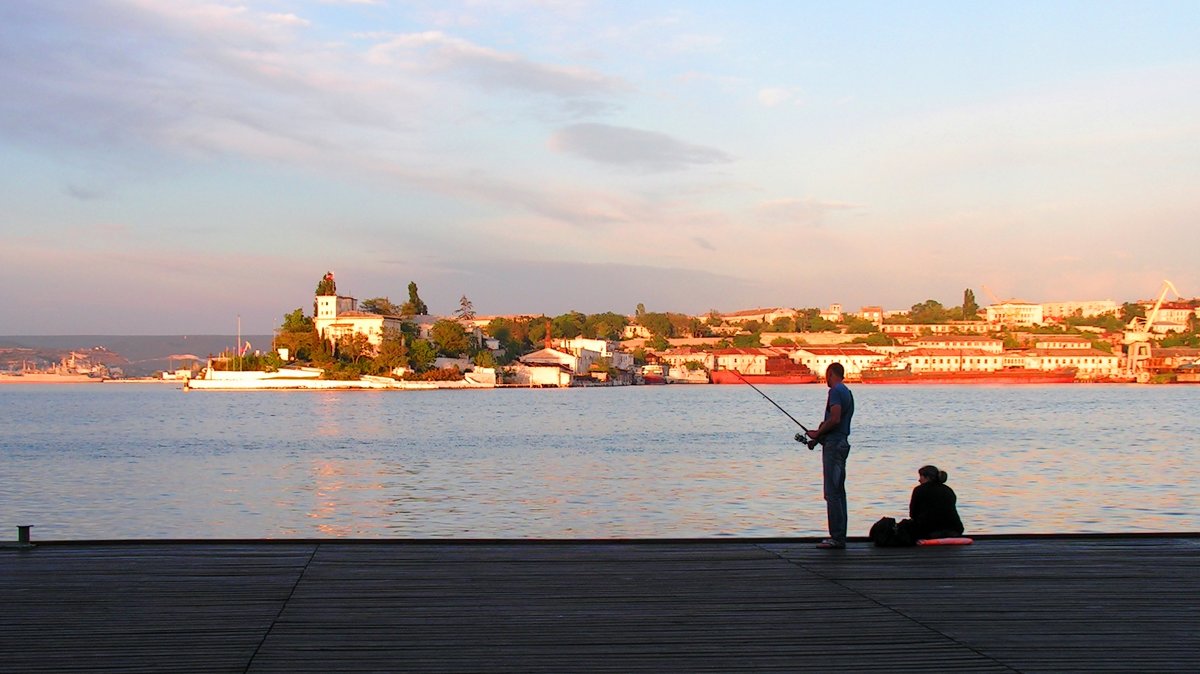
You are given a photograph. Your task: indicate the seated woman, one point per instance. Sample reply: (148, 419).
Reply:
(932, 511)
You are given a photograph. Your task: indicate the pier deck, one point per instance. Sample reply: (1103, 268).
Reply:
(1006, 604)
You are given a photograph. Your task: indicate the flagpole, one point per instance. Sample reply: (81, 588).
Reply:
(239, 342)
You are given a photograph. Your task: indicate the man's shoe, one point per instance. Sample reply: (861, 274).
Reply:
(830, 544)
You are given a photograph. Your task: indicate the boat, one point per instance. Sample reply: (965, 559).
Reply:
(1012, 375)
(653, 374)
(779, 371)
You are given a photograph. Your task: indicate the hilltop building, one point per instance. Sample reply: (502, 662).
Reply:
(1085, 309)
(337, 316)
(1015, 313)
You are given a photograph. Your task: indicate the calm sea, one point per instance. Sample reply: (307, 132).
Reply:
(150, 461)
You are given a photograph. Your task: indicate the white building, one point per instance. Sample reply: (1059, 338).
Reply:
(1015, 313)
(1089, 363)
(1085, 309)
(852, 357)
(974, 342)
(602, 348)
(337, 316)
(952, 360)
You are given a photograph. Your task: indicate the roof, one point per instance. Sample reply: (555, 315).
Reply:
(1064, 353)
(953, 353)
(1062, 338)
(755, 312)
(747, 351)
(839, 351)
(956, 338)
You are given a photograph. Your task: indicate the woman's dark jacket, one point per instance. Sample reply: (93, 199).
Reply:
(932, 511)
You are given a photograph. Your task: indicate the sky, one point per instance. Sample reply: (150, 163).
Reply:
(178, 166)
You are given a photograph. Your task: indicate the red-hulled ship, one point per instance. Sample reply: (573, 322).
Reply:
(1012, 375)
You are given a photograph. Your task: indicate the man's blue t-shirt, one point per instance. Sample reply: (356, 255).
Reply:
(839, 394)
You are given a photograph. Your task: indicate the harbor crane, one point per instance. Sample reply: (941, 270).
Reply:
(1137, 335)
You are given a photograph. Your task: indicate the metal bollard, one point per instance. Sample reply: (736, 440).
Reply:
(23, 533)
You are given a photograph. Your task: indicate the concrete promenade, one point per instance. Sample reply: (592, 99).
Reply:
(1004, 604)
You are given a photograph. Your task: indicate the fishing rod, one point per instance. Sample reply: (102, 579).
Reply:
(799, 438)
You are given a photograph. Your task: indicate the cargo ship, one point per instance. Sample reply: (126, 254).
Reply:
(1012, 375)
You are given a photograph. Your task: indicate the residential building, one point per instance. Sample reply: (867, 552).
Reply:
(873, 314)
(852, 357)
(952, 360)
(833, 313)
(1015, 313)
(1085, 309)
(337, 316)
(602, 348)
(973, 342)
(1089, 363)
(1177, 313)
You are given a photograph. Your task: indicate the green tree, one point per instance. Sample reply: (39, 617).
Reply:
(466, 310)
(658, 343)
(393, 352)
(874, 339)
(714, 318)
(298, 336)
(379, 305)
(450, 338)
(782, 341)
(485, 359)
(421, 355)
(326, 286)
(296, 322)
(683, 325)
(1109, 322)
(860, 326)
(929, 311)
(970, 309)
(608, 325)
(537, 331)
(354, 347)
(784, 324)
(1130, 310)
(414, 306)
(656, 323)
(568, 325)
(749, 341)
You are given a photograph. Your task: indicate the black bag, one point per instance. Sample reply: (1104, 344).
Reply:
(886, 533)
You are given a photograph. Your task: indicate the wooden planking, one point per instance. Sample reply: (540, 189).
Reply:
(141, 608)
(1039, 604)
(1042, 605)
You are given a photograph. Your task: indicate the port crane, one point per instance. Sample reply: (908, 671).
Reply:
(1137, 335)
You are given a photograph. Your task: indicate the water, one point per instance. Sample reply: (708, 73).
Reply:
(149, 461)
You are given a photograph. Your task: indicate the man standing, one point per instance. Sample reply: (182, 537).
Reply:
(834, 436)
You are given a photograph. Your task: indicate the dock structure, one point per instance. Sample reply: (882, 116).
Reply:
(1005, 604)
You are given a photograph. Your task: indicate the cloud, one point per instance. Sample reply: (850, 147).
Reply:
(287, 19)
(803, 212)
(633, 148)
(538, 286)
(490, 68)
(775, 96)
(83, 193)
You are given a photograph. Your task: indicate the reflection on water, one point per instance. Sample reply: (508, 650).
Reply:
(139, 462)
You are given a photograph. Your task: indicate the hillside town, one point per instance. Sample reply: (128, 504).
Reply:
(375, 343)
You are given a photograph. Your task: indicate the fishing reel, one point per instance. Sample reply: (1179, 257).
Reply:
(805, 440)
